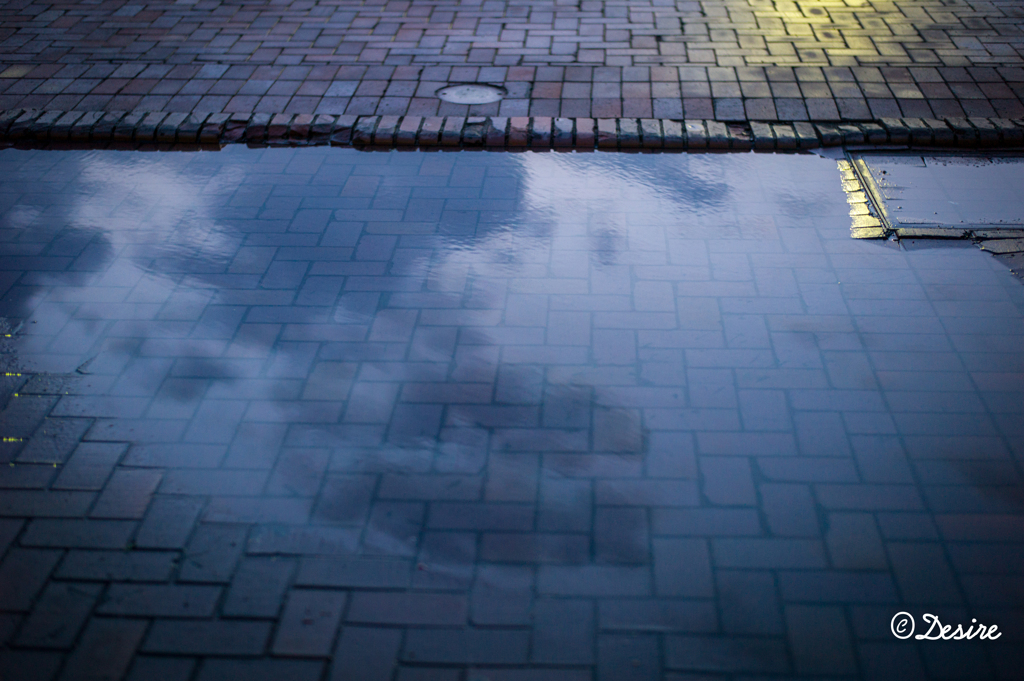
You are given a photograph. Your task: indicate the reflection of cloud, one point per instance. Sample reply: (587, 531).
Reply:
(666, 183)
(21, 216)
(137, 227)
(615, 203)
(622, 203)
(151, 209)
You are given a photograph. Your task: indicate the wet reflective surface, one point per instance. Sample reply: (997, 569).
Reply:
(949, 190)
(319, 413)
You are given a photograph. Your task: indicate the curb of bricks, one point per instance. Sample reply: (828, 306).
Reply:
(118, 129)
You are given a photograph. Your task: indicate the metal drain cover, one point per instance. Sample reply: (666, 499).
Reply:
(471, 93)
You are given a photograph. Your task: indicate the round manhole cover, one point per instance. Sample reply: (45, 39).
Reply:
(471, 93)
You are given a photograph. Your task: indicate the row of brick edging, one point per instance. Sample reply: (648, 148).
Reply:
(98, 128)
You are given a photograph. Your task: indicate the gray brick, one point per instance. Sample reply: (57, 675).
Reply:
(8, 625)
(671, 455)
(169, 522)
(534, 547)
(446, 561)
(627, 492)
(682, 567)
(502, 595)
(127, 494)
(624, 657)
(159, 600)
(978, 527)
(366, 654)
(820, 640)
(206, 482)
(118, 566)
(881, 459)
(985, 558)
(345, 499)
(258, 509)
(355, 572)
(745, 444)
(165, 668)
(790, 510)
(410, 609)
(201, 637)
(9, 530)
(23, 573)
(713, 522)
(212, 553)
(821, 434)
(854, 543)
(869, 497)
(511, 477)
(26, 476)
(724, 655)
(44, 504)
(261, 670)
(749, 602)
(79, 534)
(177, 455)
(727, 481)
(309, 623)
(258, 587)
(661, 614)
(908, 526)
(303, 540)
(837, 586)
(620, 536)
(593, 580)
(565, 505)
(467, 646)
(768, 553)
(58, 615)
(105, 650)
(256, 445)
(430, 487)
(23, 415)
(563, 632)
(923, 573)
(393, 528)
(298, 473)
(764, 410)
(30, 665)
(878, 660)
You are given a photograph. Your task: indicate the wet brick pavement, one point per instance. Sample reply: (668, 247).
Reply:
(330, 415)
(715, 59)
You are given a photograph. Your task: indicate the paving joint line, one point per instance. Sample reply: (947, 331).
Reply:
(65, 129)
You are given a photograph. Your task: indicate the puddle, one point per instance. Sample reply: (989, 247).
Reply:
(668, 387)
(948, 191)
(938, 201)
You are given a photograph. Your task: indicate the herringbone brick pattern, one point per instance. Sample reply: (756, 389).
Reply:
(329, 415)
(721, 59)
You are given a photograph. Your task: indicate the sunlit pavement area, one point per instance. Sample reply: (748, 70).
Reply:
(710, 59)
(333, 415)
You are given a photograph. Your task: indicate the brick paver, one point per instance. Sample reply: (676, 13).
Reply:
(36, 128)
(346, 416)
(709, 59)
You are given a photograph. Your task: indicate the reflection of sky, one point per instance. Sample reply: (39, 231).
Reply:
(615, 202)
(157, 269)
(148, 209)
(133, 226)
(156, 242)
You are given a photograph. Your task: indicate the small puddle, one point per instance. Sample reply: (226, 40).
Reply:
(939, 201)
